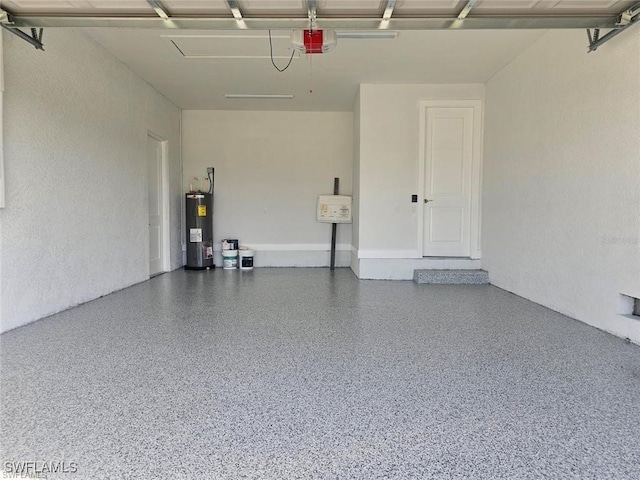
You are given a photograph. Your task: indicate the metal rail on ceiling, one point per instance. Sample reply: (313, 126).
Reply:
(34, 39)
(626, 19)
(462, 21)
(436, 22)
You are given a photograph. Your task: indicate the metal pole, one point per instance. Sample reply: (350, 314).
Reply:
(334, 226)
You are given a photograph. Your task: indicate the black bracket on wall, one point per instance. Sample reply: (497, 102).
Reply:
(34, 39)
(334, 227)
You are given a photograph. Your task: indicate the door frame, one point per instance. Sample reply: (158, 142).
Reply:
(165, 255)
(476, 169)
(2, 185)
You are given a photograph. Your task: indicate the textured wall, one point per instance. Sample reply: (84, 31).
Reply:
(75, 223)
(1, 156)
(270, 168)
(561, 200)
(1, 128)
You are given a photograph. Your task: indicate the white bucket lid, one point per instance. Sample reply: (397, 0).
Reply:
(229, 253)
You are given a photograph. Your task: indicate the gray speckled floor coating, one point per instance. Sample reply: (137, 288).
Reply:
(451, 277)
(301, 373)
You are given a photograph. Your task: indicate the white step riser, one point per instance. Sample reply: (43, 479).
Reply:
(404, 268)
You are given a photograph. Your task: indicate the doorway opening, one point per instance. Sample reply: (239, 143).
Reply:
(158, 199)
(449, 178)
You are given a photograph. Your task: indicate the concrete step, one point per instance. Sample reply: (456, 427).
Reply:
(451, 277)
(403, 268)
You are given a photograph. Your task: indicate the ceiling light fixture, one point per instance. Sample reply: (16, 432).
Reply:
(158, 9)
(258, 95)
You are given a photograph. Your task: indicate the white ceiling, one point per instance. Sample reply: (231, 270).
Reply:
(200, 83)
(195, 68)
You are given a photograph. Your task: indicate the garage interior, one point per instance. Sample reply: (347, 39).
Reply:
(297, 371)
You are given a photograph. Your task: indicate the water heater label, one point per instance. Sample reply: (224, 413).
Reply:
(202, 210)
(195, 235)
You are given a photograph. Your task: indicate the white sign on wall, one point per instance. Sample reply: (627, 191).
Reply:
(334, 209)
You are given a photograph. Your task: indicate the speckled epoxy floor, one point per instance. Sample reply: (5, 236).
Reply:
(301, 373)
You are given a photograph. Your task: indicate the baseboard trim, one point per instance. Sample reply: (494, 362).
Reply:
(389, 254)
(292, 247)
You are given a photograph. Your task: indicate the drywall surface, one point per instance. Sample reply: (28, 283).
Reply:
(390, 162)
(1, 155)
(561, 194)
(270, 168)
(75, 226)
(1, 129)
(1, 277)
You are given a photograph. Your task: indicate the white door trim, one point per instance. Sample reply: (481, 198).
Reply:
(476, 175)
(1, 127)
(164, 203)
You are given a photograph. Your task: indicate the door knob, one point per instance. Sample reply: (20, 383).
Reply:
(426, 200)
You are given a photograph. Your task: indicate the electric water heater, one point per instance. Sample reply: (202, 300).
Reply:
(199, 231)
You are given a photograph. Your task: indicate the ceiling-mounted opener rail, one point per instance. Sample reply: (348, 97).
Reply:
(625, 20)
(34, 39)
(312, 14)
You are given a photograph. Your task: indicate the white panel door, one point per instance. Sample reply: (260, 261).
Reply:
(154, 165)
(447, 184)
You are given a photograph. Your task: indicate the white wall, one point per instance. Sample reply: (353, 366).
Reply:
(75, 226)
(270, 168)
(561, 204)
(1, 129)
(389, 163)
(1, 157)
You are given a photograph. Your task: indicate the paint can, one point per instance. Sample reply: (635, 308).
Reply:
(229, 259)
(245, 258)
(230, 244)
